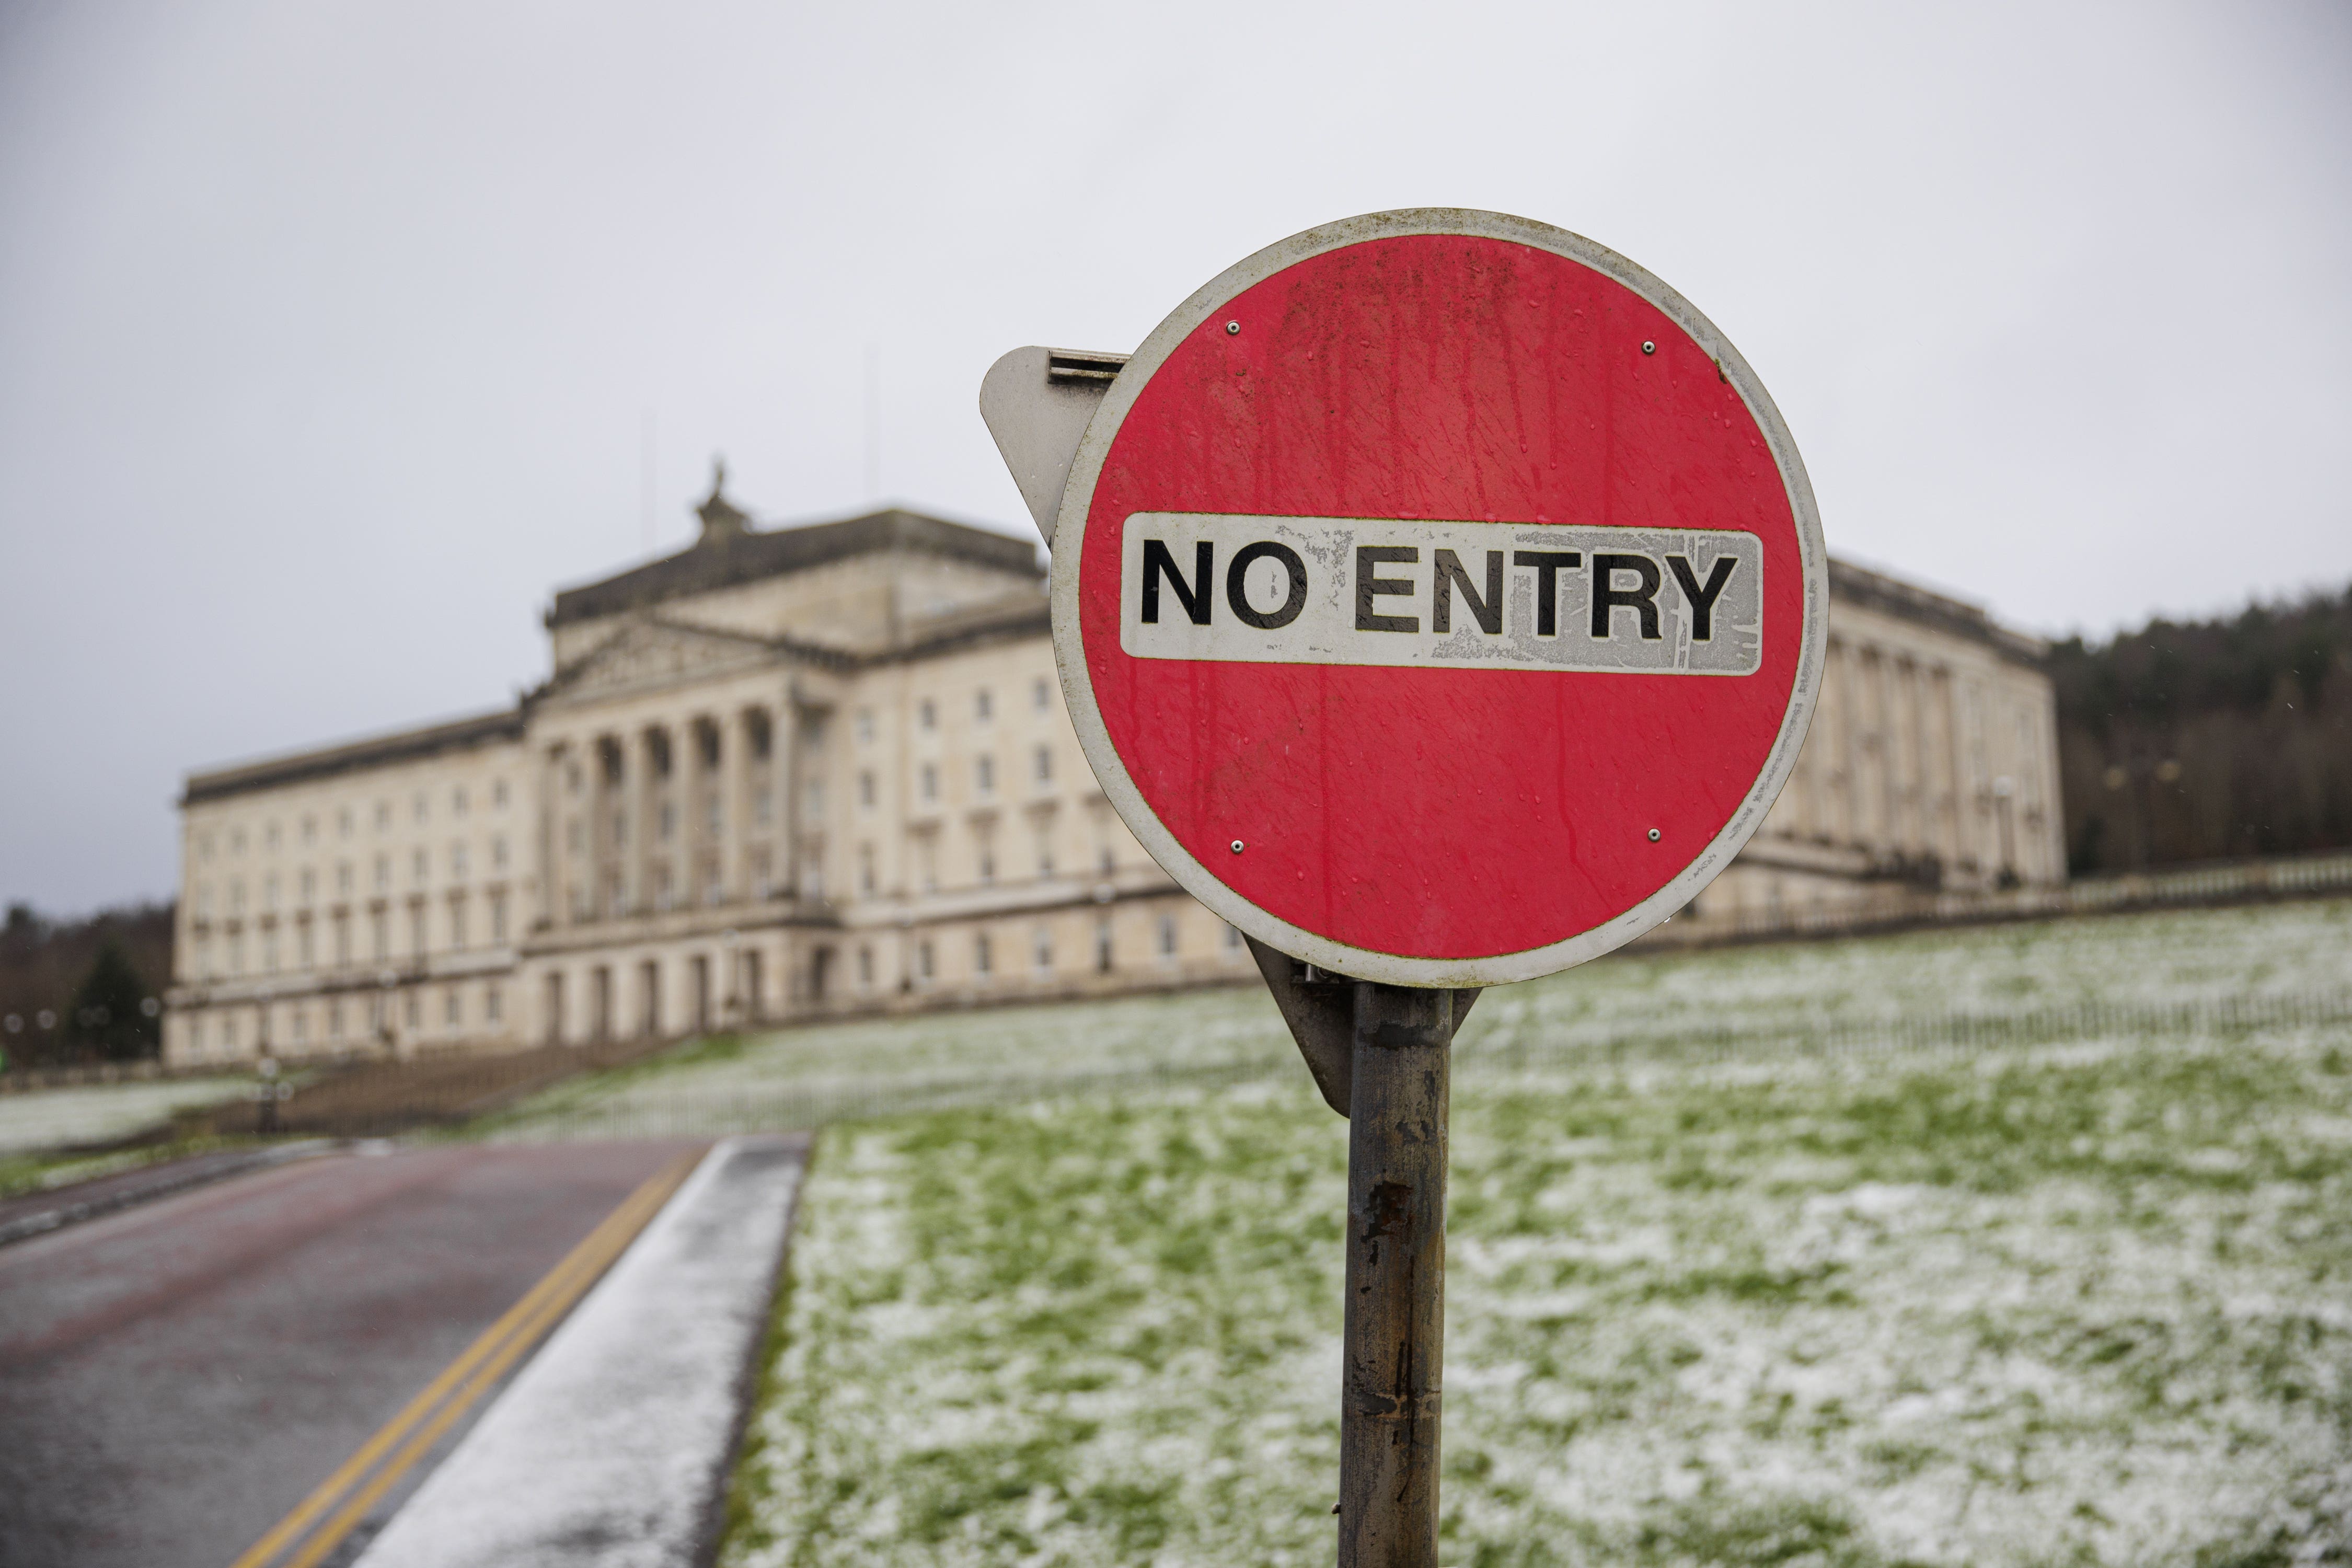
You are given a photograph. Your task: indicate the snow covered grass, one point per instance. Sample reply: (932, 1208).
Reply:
(53, 1118)
(1774, 994)
(2078, 1302)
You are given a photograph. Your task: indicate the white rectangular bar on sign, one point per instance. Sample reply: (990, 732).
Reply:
(1462, 595)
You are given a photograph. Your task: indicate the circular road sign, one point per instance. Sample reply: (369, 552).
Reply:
(1439, 598)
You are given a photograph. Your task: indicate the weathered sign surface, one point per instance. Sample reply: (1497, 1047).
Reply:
(1439, 598)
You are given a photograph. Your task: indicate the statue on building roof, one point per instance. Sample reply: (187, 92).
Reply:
(721, 518)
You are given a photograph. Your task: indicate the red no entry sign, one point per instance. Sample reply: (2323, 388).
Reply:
(1439, 598)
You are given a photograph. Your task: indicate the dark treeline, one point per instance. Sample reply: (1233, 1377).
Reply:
(2208, 739)
(77, 991)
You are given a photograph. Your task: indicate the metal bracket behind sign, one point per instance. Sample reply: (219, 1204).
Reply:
(1320, 1008)
(1037, 403)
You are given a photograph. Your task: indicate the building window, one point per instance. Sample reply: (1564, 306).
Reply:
(710, 817)
(493, 1003)
(457, 801)
(310, 830)
(1041, 694)
(1044, 764)
(270, 836)
(984, 774)
(383, 873)
(498, 794)
(270, 952)
(763, 806)
(451, 1013)
(866, 869)
(301, 1026)
(417, 810)
(926, 959)
(380, 932)
(457, 920)
(236, 841)
(342, 937)
(1232, 937)
(382, 815)
(302, 944)
(1043, 945)
(1167, 936)
(930, 781)
(865, 724)
(1102, 943)
(416, 931)
(456, 862)
(334, 1018)
(413, 1009)
(498, 917)
(816, 800)
(984, 955)
(342, 880)
(269, 891)
(498, 852)
(420, 867)
(204, 846)
(866, 789)
(984, 705)
(927, 715)
(235, 894)
(668, 821)
(987, 865)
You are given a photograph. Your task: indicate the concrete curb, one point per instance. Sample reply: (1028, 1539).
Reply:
(171, 1176)
(611, 1447)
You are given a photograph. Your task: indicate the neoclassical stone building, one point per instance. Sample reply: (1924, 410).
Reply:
(1930, 773)
(825, 768)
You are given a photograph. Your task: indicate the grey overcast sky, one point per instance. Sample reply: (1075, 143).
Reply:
(329, 333)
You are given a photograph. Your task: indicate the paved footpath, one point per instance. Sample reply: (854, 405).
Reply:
(175, 1378)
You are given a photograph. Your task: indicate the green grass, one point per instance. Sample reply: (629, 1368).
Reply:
(2076, 1302)
(21, 1173)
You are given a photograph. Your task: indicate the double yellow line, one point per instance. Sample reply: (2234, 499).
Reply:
(343, 1498)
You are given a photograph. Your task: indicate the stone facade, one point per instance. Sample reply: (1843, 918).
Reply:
(1930, 771)
(825, 770)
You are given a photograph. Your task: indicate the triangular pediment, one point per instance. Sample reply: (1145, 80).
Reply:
(648, 653)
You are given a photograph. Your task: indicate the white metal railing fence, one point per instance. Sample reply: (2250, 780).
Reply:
(2322, 875)
(652, 1110)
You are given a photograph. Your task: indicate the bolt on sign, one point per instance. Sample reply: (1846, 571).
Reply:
(1439, 598)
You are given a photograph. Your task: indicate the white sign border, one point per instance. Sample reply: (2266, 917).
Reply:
(1085, 715)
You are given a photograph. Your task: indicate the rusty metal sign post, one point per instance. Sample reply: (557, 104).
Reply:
(1440, 599)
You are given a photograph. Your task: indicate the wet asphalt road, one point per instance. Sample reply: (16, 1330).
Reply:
(175, 1377)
